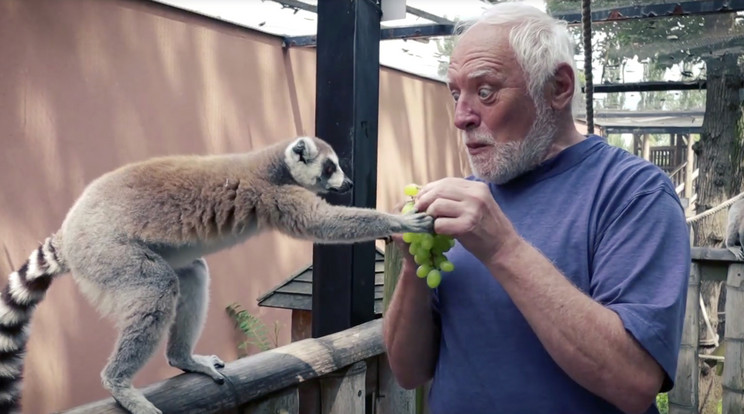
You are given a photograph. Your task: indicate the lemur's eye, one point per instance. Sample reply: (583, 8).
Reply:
(330, 169)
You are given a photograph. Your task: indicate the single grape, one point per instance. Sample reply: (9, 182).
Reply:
(413, 248)
(446, 266)
(423, 270)
(408, 207)
(427, 241)
(411, 190)
(433, 278)
(422, 258)
(408, 237)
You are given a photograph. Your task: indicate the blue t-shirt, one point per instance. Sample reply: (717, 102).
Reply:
(612, 224)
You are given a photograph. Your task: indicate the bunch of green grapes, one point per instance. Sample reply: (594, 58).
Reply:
(427, 249)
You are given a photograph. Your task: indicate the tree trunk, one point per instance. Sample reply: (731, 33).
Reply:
(719, 160)
(719, 156)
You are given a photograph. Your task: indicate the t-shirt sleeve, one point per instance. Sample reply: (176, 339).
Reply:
(640, 267)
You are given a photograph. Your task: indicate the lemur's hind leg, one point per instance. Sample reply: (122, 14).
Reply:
(187, 325)
(144, 290)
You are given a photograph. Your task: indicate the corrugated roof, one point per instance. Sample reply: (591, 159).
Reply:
(296, 292)
(650, 122)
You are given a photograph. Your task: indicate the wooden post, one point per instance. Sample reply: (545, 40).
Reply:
(689, 168)
(733, 373)
(285, 401)
(346, 114)
(683, 398)
(391, 398)
(343, 391)
(646, 154)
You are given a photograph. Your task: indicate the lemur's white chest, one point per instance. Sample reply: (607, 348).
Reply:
(182, 256)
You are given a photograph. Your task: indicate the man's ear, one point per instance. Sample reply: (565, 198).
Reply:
(562, 87)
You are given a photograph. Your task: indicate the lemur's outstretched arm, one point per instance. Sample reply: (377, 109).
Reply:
(302, 214)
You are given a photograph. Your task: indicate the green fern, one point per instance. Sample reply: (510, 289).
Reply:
(253, 328)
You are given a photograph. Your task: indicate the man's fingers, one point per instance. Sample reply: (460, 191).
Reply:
(444, 190)
(448, 226)
(443, 207)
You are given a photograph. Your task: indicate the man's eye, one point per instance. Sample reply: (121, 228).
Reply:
(455, 96)
(484, 93)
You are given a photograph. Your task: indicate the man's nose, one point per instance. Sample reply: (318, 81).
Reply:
(465, 117)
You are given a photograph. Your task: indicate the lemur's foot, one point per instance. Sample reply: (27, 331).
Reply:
(132, 399)
(201, 364)
(737, 251)
(740, 254)
(416, 223)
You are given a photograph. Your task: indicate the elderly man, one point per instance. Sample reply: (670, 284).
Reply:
(572, 256)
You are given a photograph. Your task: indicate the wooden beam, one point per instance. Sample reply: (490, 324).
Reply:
(256, 376)
(346, 114)
(712, 254)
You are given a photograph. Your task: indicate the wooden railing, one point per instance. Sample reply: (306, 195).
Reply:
(720, 265)
(666, 157)
(347, 372)
(683, 177)
(342, 373)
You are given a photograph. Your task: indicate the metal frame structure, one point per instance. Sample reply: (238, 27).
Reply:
(347, 98)
(685, 8)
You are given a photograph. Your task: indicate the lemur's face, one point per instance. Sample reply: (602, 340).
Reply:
(314, 165)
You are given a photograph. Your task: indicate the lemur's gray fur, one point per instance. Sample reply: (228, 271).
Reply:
(135, 239)
(735, 229)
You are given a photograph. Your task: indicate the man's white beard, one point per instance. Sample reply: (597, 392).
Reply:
(504, 161)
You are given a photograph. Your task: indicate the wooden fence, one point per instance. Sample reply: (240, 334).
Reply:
(342, 373)
(719, 265)
(347, 372)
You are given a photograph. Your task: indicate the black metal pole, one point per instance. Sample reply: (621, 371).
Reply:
(346, 115)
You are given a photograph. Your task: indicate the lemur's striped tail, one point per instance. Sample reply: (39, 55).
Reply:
(25, 289)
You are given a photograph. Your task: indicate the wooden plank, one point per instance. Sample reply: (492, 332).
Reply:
(733, 372)
(683, 398)
(297, 288)
(712, 254)
(309, 397)
(343, 391)
(288, 301)
(714, 271)
(392, 398)
(302, 321)
(258, 375)
(284, 401)
(305, 277)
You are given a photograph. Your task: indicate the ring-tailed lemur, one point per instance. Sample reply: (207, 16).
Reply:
(134, 243)
(735, 229)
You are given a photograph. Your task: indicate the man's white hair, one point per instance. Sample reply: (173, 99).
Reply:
(540, 42)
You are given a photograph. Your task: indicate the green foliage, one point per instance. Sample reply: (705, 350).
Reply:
(255, 331)
(662, 403)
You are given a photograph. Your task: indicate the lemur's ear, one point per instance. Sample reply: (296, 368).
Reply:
(299, 149)
(305, 149)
